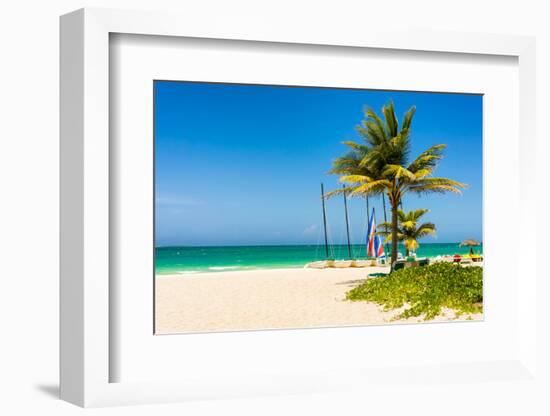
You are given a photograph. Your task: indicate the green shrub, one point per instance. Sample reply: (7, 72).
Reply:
(426, 290)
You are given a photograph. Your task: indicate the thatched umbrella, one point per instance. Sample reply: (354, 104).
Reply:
(470, 243)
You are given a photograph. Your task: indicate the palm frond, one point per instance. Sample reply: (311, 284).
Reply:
(336, 192)
(398, 172)
(357, 146)
(369, 188)
(355, 179)
(398, 149)
(408, 224)
(428, 158)
(418, 213)
(425, 229)
(384, 226)
(391, 121)
(440, 189)
(346, 164)
(407, 119)
(401, 216)
(423, 173)
(373, 160)
(400, 237)
(438, 185)
(375, 129)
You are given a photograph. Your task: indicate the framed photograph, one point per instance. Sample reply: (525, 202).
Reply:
(242, 243)
(269, 212)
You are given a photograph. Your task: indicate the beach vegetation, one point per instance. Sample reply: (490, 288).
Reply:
(424, 291)
(381, 164)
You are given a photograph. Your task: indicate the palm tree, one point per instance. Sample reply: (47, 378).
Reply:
(408, 229)
(350, 163)
(381, 164)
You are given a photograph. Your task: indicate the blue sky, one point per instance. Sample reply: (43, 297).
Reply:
(242, 164)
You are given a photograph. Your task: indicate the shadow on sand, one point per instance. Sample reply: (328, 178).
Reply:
(352, 282)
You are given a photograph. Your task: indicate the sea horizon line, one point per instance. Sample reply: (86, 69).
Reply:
(283, 245)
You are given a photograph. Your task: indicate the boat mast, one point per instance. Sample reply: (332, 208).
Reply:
(347, 220)
(324, 218)
(368, 224)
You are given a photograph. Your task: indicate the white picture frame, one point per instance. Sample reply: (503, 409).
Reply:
(86, 334)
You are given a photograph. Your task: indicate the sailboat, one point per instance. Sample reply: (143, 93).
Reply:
(375, 248)
(349, 261)
(330, 262)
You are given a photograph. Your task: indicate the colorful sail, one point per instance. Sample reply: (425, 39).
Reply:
(375, 248)
(378, 246)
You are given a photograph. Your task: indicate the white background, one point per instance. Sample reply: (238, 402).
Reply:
(29, 209)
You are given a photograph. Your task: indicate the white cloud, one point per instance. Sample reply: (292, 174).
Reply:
(177, 201)
(310, 230)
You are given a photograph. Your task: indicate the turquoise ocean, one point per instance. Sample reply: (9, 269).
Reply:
(188, 260)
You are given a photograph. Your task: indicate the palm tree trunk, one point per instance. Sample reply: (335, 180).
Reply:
(394, 208)
(386, 221)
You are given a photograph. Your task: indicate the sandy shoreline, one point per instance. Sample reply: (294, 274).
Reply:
(267, 299)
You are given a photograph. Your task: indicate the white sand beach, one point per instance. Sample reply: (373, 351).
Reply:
(268, 299)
